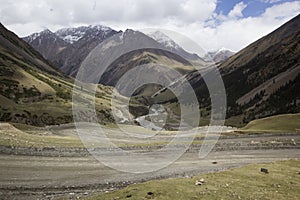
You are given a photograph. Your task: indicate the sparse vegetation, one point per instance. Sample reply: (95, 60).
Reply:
(247, 182)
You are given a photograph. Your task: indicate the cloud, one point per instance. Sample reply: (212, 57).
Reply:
(270, 1)
(237, 33)
(196, 19)
(88, 11)
(237, 10)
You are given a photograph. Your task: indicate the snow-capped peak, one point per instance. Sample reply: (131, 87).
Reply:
(164, 39)
(223, 49)
(220, 55)
(72, 35)
(46, 31)
(100, 28)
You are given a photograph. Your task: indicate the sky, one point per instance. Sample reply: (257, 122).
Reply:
(213, 24)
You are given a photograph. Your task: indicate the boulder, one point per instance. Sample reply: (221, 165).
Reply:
(264, 170)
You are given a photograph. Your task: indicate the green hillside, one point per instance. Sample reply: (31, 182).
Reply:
(278, 123)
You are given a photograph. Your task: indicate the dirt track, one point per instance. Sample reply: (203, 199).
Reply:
(47, 177)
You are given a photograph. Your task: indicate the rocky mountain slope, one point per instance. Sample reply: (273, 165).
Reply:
(68, 47)
(47, 43)
(155, 54)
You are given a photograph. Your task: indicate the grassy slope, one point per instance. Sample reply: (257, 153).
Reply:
(22, 135)
(10, 136)
(278, 123)
(55, 98)
(34, 92)
(242, 183)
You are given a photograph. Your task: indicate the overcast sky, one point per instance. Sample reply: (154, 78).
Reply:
(212, 24)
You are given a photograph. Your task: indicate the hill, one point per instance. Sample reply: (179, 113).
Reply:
(33, 91)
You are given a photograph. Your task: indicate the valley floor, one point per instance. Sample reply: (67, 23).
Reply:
(32, 175)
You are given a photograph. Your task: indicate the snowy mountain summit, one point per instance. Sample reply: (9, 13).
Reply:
(164, 40)
(219, 55)
(172, 46)
(72, 35)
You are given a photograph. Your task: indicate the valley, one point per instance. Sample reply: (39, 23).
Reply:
(47, 163)
(90, 112)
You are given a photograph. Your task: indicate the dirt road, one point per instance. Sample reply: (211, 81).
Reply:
(27, 177)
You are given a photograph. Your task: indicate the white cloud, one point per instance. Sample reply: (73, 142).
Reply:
(69, 12)
(195, 10)
(194, 18)
(236, 33)
(237, 10)
(271, 1)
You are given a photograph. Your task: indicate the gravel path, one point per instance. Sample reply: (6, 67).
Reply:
(32, 176)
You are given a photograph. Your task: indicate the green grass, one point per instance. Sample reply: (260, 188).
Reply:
(278, 123)
(283, 182)
(10, 136)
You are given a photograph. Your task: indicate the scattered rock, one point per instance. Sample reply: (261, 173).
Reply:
(264, 170)
(199, 182)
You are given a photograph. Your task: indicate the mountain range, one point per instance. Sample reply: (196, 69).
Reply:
(260, 80)
(68, 47)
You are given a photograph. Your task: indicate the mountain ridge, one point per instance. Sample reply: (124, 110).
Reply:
(68, 55)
